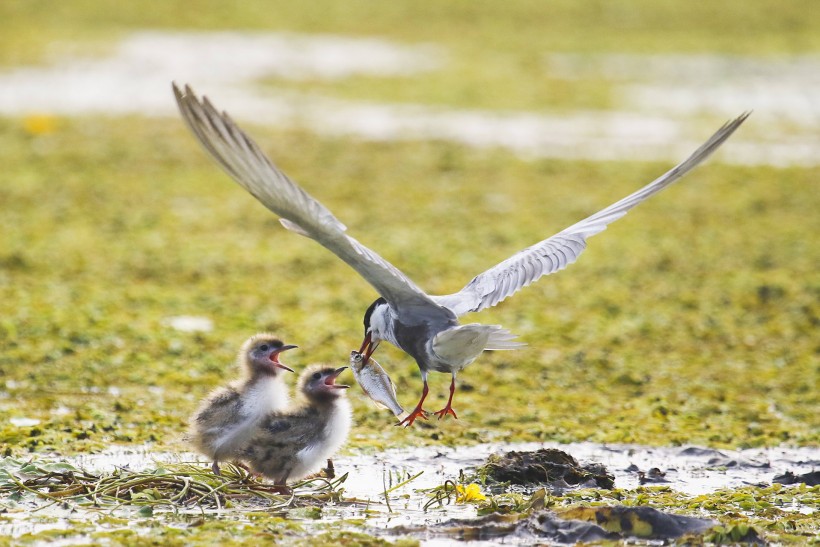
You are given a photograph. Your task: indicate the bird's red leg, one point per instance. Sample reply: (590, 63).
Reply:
(448, 409)
(418, 412)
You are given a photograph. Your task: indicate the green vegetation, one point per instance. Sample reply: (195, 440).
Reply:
(688, 322)
(691, 321)
(170, 487)
(172, 503)
(767, 512)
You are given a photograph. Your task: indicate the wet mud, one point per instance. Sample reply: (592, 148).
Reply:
(546, 467)
(809, 479)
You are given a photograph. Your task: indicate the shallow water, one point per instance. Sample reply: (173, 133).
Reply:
(658, 114)
(689, 470)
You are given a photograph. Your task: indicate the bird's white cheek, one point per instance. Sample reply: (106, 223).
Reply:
(381, 325)
(376, 326)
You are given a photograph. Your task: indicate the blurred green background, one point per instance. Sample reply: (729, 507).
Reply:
(691, 321)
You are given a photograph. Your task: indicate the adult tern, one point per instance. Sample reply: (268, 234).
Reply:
(424, 326)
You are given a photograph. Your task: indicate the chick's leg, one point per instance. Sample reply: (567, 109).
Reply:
(280, 486)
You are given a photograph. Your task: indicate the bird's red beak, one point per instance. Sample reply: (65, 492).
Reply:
(274, 356)
(365, 343)
(368, 347)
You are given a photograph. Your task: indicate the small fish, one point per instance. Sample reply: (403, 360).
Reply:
(375, 382)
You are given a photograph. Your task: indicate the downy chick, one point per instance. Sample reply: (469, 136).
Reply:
(290, 445)
(227, 417)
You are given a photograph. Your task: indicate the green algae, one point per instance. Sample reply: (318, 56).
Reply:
(692, 321)
(767, 513)
(659, 335)
(671, 329)
(775, 513)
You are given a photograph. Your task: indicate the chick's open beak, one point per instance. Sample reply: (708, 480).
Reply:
(274, 356)
(331, 379)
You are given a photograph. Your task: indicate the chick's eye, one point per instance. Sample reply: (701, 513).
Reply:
(316, 375)
(264, 347)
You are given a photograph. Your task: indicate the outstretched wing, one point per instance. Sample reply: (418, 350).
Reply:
(298, 211)
(562, 249)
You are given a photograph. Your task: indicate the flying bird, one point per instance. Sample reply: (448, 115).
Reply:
(424, 326)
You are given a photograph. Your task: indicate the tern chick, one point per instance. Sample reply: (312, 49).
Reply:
(424, 326)
(292, 444)
(227, 417)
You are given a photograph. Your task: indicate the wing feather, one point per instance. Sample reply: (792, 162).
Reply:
(243, 160)
(561, 250)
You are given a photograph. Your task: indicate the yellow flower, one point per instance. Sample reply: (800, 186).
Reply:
(39, 124)
(469, 493)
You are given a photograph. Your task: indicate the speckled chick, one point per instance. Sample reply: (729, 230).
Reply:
(290, 445)
(226, 419)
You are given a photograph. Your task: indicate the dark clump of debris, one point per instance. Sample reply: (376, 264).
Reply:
(544, 525)
(717, 459)
(809, 479)
(581, 524)
(486, 528)
(643, 522)
(547, 466)
(547, 525)
(653, 476)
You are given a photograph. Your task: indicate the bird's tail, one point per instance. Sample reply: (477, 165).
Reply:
(502, 339)
(460, 345)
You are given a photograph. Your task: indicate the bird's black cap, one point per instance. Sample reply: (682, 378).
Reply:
(369, 312)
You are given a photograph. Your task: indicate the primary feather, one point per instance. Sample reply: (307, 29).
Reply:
(299, 212)
(559, 251)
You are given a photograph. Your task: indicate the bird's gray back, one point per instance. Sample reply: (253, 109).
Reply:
(415, 330)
